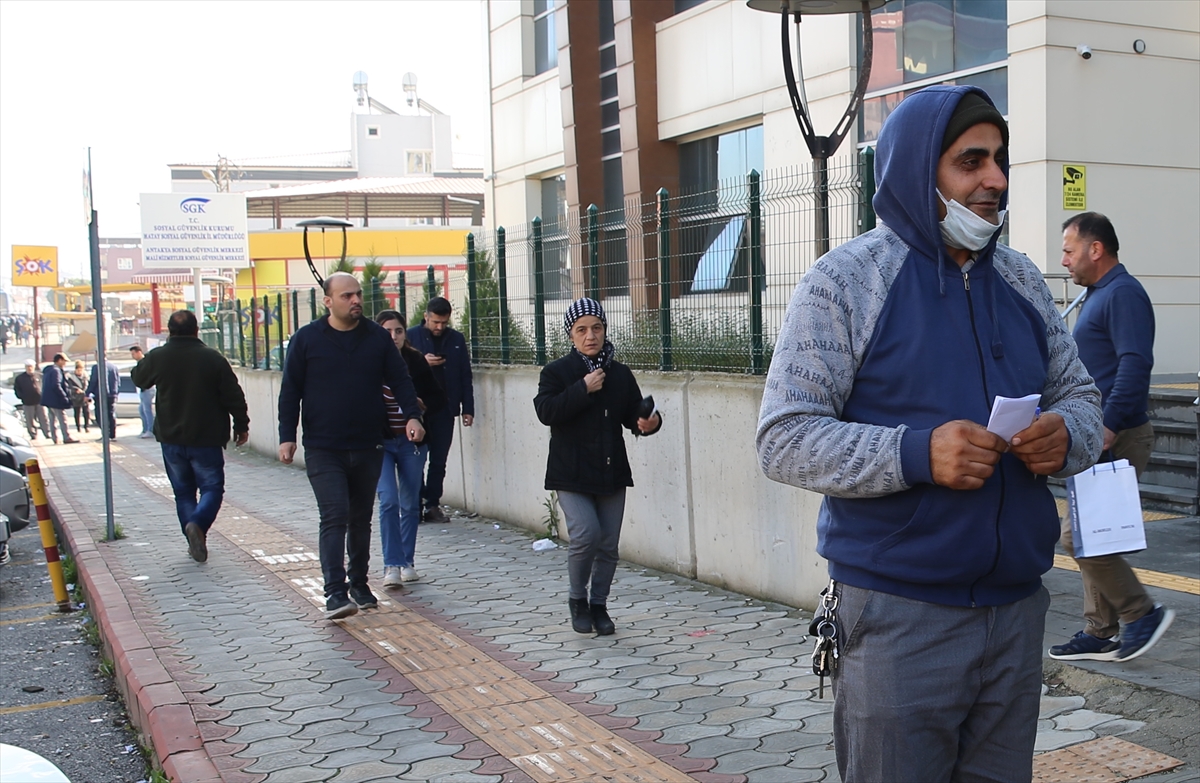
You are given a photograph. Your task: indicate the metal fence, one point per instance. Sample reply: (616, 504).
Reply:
(689, 281)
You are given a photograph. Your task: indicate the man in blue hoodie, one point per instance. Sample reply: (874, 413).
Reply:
(334, 372)
(936, 531)
(1115, 334)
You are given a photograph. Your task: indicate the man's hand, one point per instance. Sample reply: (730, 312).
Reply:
(434, 360)
(240, 438)
(286, 452)
(468, 419)
(963, 454)
(649, 425)
(415, 431)
(594, 380)
(1109, 437)
(1042, 446)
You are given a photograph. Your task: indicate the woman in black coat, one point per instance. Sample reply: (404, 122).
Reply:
(586, 397)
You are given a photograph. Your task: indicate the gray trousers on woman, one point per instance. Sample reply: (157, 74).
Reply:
(933, 694)
(594, 524)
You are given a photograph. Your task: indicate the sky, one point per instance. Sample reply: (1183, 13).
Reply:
(147, 84)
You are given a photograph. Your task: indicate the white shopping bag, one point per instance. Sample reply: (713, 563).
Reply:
(1106, 510)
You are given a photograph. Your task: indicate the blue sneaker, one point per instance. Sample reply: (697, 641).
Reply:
(1140, 635)
(1085, 647)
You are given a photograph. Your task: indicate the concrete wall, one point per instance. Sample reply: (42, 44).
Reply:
(701, 507)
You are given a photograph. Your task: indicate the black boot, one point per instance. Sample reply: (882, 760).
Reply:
(581, 618)
(602, 622)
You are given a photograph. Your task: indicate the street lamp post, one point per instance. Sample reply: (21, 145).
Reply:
(820, 147)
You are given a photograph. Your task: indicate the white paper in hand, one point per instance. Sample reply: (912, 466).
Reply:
(1010, 415)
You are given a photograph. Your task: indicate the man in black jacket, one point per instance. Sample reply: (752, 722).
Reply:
(335, 370)
(28, 388)
(197, 395)
(446, 351)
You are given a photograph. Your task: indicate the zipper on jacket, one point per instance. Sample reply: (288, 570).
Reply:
(987, 406)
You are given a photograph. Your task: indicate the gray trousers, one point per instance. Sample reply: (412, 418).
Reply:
(35, 416)
(58, 420)
(594, 525)
(1112, 593)
(930, 694)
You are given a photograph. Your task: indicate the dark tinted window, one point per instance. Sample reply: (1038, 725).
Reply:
(545, 43)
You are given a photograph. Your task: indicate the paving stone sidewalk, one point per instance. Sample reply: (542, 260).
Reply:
(697, 684)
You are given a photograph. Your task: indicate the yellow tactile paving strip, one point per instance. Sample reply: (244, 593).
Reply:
(1104, 760)
(545, 738)
(1183, 584)
(1188, 386)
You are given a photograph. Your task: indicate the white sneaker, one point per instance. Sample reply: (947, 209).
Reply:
(409, 574)
(392, 576)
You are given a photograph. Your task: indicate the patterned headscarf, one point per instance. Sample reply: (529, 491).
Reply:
(578, 309)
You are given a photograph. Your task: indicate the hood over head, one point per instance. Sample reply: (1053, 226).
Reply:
(906, 159)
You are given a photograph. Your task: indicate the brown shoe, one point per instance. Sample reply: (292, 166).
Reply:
(434, 514)
(197, 545)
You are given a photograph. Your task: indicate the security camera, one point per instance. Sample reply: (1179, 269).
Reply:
(1084, 51)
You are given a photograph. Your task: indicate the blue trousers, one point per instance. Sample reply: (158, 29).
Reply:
(400, 500)
(191, 469)
(344, 482)
(933, 694)
(146, 409)
(439, 434)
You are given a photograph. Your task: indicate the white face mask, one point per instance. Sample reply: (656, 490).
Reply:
(963, 229)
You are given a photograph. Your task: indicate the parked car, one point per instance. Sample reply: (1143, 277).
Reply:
(128, 400)
(15, 502)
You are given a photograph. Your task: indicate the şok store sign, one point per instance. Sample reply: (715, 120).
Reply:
(189, 231)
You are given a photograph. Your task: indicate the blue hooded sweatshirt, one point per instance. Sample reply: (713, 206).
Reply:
(886, 339)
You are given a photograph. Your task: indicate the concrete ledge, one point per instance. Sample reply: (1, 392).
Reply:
(157, 707)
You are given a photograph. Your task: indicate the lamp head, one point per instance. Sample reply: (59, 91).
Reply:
(812, 7)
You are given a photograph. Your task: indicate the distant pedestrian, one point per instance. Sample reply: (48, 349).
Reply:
(446, 351)
(336, 367)
(585, 398)
(145, 399)
(1115, 335)
(111, 388)
(56, 397)
(4, 335)
(77, 382)
(28, 388)
(198, 394)
(399, 486)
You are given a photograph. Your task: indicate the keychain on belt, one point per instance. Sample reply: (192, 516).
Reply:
(824, 629)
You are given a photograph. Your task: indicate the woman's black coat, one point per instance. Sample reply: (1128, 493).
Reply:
(587, 447)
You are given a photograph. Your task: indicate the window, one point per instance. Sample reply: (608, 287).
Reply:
(556, 258)
(712, 214)
(124, 263)
(545, 43)
(372, 130)
(419, 161)
(919, 43)
(683, 5)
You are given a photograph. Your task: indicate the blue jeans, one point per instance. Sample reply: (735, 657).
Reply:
(192, 468)
(439, 434)
(400, 500)
(344, 482)
(146, 409)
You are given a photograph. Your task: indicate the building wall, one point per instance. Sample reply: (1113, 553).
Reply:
(1134, 121)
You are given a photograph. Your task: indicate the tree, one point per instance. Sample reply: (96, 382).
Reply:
(427, 292)
(487, 315)
(373, 276)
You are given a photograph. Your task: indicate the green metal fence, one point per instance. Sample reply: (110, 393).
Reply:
(689, 281)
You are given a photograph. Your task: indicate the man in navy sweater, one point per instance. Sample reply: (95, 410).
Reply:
(446, 351)
(1115, 334)
(334, 374)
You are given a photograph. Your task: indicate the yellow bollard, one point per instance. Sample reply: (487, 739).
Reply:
(37, 488)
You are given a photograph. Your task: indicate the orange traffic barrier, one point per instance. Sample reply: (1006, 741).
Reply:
(37, 489)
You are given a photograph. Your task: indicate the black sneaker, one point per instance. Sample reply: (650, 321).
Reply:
(338, 606)
(197, 543)
(1085, 647)
(1142, 634)
(362, 595)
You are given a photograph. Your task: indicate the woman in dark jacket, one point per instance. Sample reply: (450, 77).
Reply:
(77, 384)
(586, 397)
(403, 462)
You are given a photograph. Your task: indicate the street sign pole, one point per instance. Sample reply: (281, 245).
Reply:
(102, 398)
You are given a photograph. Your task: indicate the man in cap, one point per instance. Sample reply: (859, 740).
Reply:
(936, 530)
(28, 388)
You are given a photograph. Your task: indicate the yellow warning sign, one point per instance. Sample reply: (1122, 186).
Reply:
(1074, 186)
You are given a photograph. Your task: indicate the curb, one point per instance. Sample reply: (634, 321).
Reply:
(157, 707)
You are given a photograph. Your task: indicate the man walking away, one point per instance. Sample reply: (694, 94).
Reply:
(145, 399)
(197, 396)
(112, 388)
(335, 370)
(936, 531)
(1115, 334)
(446, 351)
(56, 397)
(28, 388)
